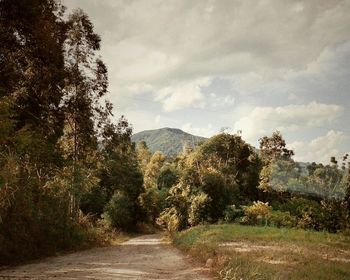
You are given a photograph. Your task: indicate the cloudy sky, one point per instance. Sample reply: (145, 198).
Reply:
(254, 66)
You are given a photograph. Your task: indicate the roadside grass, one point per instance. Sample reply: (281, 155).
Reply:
(250, 252)
(84, 236)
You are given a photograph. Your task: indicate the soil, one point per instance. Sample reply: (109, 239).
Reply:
(143, 257)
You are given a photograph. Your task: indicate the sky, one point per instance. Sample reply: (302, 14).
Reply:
(253, 66)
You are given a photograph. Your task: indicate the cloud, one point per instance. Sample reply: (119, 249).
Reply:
(176, 59)
(265, 120)
(192, 95)
(143, 120)
(320, 149)
(200, 131)
(182, 40)
(182, 95)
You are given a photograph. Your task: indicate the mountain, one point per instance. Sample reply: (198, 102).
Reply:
(169, 141)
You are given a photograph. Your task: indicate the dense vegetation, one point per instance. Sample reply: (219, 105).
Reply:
(170, 141)
(60, 155)
(226, 179)
(66, 168)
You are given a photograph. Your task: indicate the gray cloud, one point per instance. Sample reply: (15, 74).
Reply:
(175, 59)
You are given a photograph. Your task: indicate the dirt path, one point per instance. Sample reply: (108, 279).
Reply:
(144, 257)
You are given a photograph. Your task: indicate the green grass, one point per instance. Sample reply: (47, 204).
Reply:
(232, 232)
(268, 252)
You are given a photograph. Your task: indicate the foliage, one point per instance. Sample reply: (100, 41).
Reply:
(231, 213)
(307, 212)
(198, 210)
(257, 213)
(272, 149)
(119, 211)
(172, 219)
(153, 170)
(167, 178)
(93, 201)
(153, 202)
(175, 217)
(220, 172)
(333, 215)
(62, 157)
(143, 155)
(282, 219)
(59, 151)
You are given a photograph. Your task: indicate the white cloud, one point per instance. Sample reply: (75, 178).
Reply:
(200, 131)
(141, 120)
(321, 149)
(182, 95)
(265, 120)
(190, 95)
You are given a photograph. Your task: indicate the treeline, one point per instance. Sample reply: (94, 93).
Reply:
(226, 180)
(60, 153)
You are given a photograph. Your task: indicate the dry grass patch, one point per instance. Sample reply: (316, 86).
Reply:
(244, 252)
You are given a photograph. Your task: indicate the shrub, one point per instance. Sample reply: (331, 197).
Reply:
(231, 213)
(282, 219)
(213, 184)
(93, 201)
(153, 202)
(333, 215)
(172, 219)
(118, 212)
(308, 212)
(167, 178)
(176, 217)
(257, 213)
(198, 211)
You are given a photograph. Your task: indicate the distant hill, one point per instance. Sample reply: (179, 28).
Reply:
(170, 141)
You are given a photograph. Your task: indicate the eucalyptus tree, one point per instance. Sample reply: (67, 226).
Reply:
(32, 72)
(273, 149)
(85, 87)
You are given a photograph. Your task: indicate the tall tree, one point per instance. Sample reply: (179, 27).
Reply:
(120, 176)
(272, 149)
(153, 169)
(32, 74)
(143, 155)
(86, 85)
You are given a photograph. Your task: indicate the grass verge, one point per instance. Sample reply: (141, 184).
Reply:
(249, 252)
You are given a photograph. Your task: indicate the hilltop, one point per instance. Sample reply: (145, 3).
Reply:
(170, 141)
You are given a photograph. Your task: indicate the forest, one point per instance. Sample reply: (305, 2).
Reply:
(69, 172)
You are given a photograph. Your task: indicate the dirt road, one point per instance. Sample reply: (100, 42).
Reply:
(144, 257)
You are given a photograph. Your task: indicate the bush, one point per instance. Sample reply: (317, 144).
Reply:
(213, 184)
(257, 214)
(308, 212)
(198, 212)
(231, 213)
(176, 217)
(93, 201)
(119, 212)
(167, 178)
(171, 219)
(333, 215)
(153, 202)
(282, 219)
